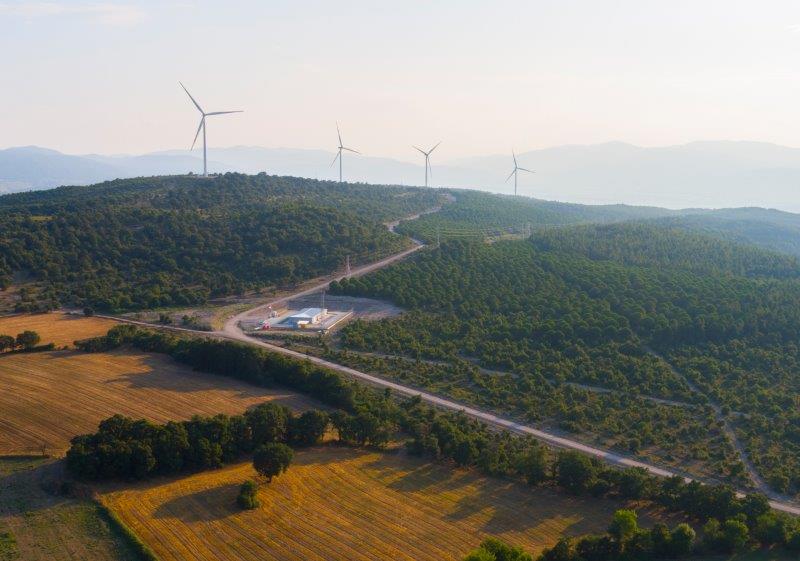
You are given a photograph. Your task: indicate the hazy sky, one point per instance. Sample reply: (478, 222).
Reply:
(481, 76)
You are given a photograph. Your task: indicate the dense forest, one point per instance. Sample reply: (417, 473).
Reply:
(593, 305)
(144, 243)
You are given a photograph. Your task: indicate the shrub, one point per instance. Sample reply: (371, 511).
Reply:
(247, 498)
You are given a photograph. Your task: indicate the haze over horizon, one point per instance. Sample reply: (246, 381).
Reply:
(102, 78)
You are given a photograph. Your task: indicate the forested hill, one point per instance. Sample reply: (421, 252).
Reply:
(480, 214)
(143, 243)
(654, 245)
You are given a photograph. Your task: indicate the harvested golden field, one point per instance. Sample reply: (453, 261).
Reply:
(60, 329)
(49, 527)
(47, 398)
(338, 503)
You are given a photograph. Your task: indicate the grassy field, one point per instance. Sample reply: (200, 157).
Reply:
(59, 329)
(47, 398)
(338, 503)
(38, 526)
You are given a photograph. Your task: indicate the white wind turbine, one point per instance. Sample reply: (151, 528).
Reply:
(339, 153)
(514, 172)
(427, 160)
(203, 126)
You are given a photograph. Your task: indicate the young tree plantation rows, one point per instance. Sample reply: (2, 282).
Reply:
(586, 304)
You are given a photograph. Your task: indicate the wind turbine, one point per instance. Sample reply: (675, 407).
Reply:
(427, 160)
(339, 153)
(514, 172)
(203, 126)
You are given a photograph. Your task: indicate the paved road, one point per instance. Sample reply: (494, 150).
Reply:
(231, 331)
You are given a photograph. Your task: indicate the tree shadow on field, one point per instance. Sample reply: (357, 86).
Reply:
(163, 373)
(423, 475)
(512, 507)
(205, 505)
(332, 452)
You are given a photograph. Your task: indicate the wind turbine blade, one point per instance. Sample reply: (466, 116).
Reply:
(350, 150)
(525, 169)
(202, 120)
(338, 154)
(515, 158)
(339, 134)
(435, 147)
(511, 174)
(420, 150)
(190, 97)
(223, 112)
(430, 169)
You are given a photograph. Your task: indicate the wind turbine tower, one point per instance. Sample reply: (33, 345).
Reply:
(427, 160)
(339, 152)
(203, 116)
(514, 172)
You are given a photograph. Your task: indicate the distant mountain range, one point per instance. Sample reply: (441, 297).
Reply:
(699, 174)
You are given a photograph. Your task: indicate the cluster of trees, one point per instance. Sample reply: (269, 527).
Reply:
(587, 304)
(154, 242)
(125, 448)
(25, 341)
(626, 541)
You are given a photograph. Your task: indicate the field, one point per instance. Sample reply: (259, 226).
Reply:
(44, 527)
(60, 329)
(47, 398)
(338, 503)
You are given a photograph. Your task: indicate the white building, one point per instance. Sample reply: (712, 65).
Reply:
(306, 316)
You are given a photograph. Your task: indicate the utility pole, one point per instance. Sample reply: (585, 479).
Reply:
(323, 299)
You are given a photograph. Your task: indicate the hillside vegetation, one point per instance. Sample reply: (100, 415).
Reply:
(586, 304)
(144, 243)
(477, 214)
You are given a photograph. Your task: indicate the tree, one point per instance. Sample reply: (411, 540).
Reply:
(734, 534)
(308, 428)
(562, 551)
(771, 529)
(6, 342)
(624, 525)
(574, 471)
(793, 541)
(682, 540)
(598, 548)
(247, 498)
(662, 540)
(272, 459)
(268, 422)
(28, 339)
(493, 549)
(88, 311)
(533, 465)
